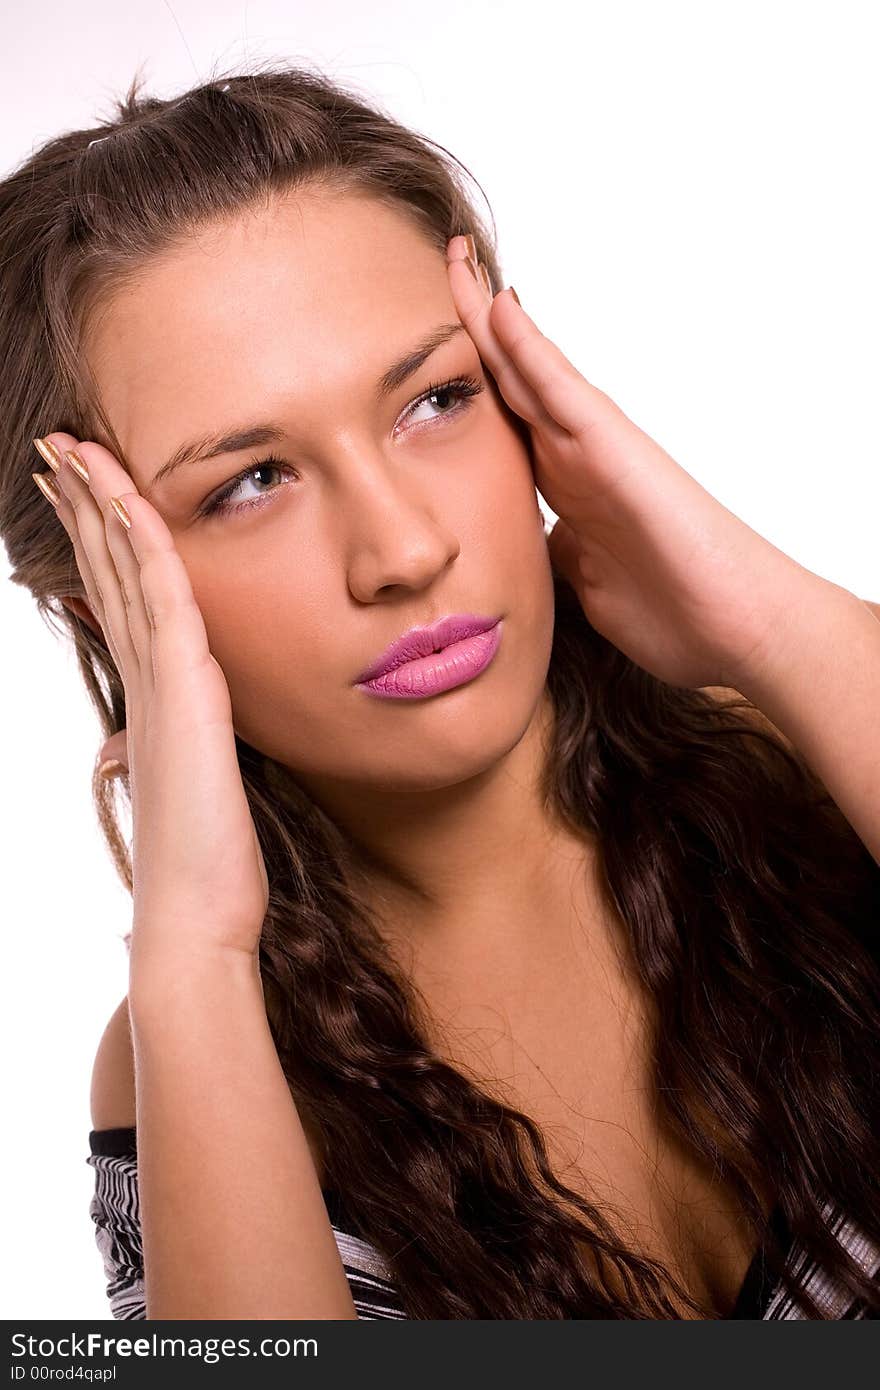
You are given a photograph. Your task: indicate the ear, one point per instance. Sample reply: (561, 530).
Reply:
(82, 610)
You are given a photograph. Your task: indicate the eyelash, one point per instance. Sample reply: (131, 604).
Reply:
(463, 387)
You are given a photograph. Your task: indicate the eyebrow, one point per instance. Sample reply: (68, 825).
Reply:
(234, 440)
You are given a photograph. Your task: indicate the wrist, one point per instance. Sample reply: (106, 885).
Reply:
(793, 620)
(799, 644)
(175, 978)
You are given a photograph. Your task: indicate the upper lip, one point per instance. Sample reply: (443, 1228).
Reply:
(422, 641)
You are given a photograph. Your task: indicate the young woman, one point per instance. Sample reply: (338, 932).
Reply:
(505, 912)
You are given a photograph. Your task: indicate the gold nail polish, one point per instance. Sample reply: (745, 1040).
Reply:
(514, 293)
(121, 511)
(48, 452)
(484, 274)
(47, 487)
(472, 268)
(77, 464)
(111, 767)
(471, 247)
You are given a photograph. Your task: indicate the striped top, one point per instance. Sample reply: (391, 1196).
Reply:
(114, 1209)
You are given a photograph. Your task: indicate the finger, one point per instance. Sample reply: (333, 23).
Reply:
(176, 638)
(80, 517)
(179, 639)
(65, 507)
(113, 565)
(474, 304)
(574, 403)
(108, 479)
(51, 489)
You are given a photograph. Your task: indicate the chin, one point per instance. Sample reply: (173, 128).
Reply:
(466, 732)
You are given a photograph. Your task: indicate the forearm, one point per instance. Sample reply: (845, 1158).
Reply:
(233, 1219)
(821, 687)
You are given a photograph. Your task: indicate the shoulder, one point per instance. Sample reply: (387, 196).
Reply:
(112, 1093)
(113, 1087)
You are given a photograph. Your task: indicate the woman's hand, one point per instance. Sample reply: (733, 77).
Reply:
(199, 880)
(671, 577)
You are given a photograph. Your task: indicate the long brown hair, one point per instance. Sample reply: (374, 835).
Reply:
(750, 905)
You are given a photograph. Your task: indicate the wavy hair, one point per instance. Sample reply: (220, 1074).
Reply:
(749, 904)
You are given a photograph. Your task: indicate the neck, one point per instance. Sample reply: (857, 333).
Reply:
(478, 876)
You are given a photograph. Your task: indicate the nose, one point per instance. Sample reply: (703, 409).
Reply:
(398, 538)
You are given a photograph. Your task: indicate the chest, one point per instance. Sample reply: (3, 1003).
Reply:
(576, 1060)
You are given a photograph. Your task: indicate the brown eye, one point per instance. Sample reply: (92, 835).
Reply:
(459, 391)
(220, 502)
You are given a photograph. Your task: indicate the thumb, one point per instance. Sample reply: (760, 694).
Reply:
(113, 757)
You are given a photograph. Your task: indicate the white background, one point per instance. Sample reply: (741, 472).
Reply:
(686, 198)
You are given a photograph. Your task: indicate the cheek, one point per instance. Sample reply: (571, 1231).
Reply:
(260, 620)
(505, 531)
(508, 446)
(504, 494)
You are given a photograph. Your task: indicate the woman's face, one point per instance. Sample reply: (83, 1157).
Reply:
(373, 516)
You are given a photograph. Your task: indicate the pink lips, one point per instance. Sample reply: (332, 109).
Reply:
(428, 660)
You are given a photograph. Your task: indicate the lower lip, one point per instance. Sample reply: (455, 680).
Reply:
(429, 675)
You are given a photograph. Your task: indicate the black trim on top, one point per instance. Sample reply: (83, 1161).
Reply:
(751, 1302)
(114, 1143)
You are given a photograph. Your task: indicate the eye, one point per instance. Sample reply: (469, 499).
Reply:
(458, 391)
(220, 501)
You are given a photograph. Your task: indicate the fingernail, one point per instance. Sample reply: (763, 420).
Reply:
(484, 275)
(514, 293)
(77, 464)
(48, 452)
(47, 487)
(471, 246)
(111, 767)
(472, 268)
(121, 511)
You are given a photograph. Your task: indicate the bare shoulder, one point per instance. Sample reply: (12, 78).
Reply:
(113, 1094)
(113, 1087)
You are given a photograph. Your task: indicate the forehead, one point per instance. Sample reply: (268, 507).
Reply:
(275, 307)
